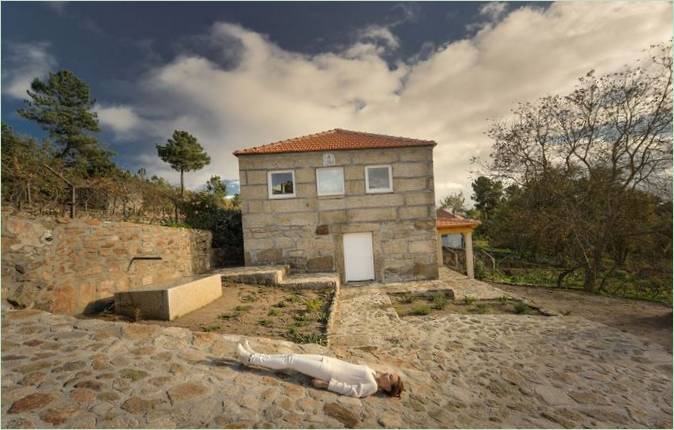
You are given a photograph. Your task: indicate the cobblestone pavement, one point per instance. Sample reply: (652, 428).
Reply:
(460, 371)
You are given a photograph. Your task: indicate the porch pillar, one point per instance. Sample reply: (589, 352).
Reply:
(441, 261)
(468, 244)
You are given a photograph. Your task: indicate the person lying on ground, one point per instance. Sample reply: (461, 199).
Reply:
(327, 372)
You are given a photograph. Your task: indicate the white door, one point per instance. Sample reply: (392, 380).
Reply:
(358, 257)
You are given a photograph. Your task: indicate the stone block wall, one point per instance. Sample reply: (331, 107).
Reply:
(306, 231)
(72, 266)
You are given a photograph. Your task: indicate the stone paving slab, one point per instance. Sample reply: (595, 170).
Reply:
(459, 370)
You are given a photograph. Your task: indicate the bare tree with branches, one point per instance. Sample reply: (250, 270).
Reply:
(592, 151)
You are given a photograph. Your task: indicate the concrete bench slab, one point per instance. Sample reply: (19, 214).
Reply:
(170, 300)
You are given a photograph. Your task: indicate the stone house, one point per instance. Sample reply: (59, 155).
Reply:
(358, 204)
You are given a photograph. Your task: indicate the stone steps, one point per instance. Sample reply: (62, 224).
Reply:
(261, 275)
(278, 276)
(311, 280)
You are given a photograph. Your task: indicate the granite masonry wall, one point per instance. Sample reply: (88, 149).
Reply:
(74, 266)
(306, 231)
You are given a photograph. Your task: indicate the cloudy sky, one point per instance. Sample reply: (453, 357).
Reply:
(244, 74)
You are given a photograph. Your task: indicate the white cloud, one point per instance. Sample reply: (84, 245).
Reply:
(378, 33)
(493, 10)
(271, 94)
(25, 62)
(121, 119)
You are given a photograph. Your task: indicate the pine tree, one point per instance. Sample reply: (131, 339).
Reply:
(62, 105)
(184, 153)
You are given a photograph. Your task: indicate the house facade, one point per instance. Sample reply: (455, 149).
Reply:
(358, 204)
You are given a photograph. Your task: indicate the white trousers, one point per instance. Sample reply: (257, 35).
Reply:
(307, 364)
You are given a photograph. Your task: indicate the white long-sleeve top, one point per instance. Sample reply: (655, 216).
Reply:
(349, 379)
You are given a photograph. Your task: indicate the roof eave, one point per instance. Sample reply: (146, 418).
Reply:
(239, 152)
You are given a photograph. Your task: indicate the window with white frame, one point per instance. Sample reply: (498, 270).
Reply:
(378, 179)
(330, 181)
(281, 184)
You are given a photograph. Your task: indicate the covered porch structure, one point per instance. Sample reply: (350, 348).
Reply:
(450, 224)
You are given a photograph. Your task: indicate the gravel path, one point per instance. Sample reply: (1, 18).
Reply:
(460, 371)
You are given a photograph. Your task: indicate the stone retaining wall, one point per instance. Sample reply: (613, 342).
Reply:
(306, 232)
(72, 266)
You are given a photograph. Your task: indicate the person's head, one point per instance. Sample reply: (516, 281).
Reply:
(391, 384)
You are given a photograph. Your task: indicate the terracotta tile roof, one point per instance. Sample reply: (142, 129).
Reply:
(334, 140)
(447, 219)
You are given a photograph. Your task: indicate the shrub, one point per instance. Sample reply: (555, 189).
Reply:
(406, 298)
(439, 300)
(295, 336)
(207, 211)
(228, 316)
(210, 327)
(313, 305)
(420, 310)
(480, 270)
(249, 298)
(520, 308)
(480, 308)
(242, 308)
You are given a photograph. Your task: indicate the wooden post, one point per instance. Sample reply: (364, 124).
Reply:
(441, 261)
(468, 241)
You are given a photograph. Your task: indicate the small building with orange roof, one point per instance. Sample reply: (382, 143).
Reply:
(448, 223)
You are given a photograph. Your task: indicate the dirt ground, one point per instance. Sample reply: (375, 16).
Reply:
(650, 321)
(298, 315)
(439, 302)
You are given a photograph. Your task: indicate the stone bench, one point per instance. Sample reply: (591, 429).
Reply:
(169, 300)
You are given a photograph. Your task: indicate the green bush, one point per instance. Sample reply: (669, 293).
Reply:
(420, 310)
(210, 327)
(406, 298)
(439, 300)
(313, 305)
(242, 308)
(520, 308)
(480, 270)
(206, 211)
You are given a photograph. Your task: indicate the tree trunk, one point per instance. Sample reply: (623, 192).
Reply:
(564, 274)
(590, 278)
(182, 187)
(28, 197)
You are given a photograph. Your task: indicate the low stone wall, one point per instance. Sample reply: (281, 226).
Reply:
(74, 266)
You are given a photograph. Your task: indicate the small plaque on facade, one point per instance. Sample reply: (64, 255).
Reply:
(328, 159)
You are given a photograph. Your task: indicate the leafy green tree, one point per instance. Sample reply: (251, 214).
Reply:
(455, 203)
(487, 195)
(217, 187)
(62, 105)
(184, 153)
